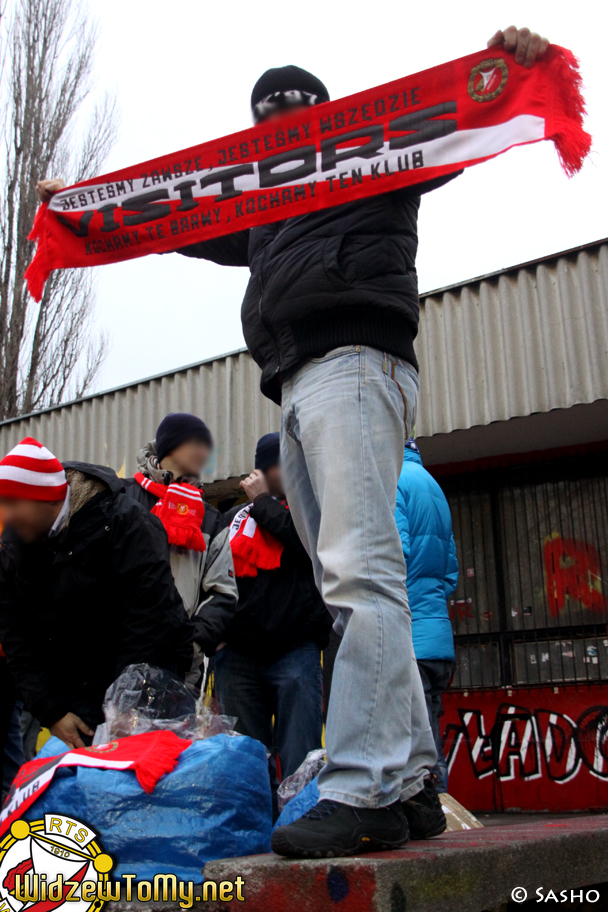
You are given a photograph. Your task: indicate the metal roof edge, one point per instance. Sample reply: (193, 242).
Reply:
(196, 364)
(507, 269)
(124, 386)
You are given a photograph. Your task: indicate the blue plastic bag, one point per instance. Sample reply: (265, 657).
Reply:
(304, 801)
(215, 804)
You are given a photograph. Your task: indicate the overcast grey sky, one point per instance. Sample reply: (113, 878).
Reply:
(183, 73)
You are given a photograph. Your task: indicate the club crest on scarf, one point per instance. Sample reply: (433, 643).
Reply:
(181, 510)
(253, 548)
(488, 79)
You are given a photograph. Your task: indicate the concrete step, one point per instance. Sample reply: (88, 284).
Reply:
(457, 872)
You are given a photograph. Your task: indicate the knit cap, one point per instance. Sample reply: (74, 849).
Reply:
(268, 451)
(177, 428)
(31, 472)
(280, 88)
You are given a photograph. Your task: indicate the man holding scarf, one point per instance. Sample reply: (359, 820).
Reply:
(330, 315)
(168, 484)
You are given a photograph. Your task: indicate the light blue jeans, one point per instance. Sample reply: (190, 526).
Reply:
(345, 419)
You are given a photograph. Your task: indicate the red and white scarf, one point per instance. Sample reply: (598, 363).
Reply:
(253, 548)
(181, 510)
(414, 129)
(150, 756)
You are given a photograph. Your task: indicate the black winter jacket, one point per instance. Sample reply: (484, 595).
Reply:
(77, 608)
(217, 605)
(339, 276)
(278, 609)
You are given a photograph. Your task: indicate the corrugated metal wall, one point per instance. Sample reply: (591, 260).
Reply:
(526, 340)
(523, 341)
(110, 428)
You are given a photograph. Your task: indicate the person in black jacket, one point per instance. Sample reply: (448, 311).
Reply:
(85, 588)
(204, 576)
(7, 707)
(330, 316)
(270, 666)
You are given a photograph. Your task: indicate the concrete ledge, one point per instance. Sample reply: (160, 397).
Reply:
(457, 872)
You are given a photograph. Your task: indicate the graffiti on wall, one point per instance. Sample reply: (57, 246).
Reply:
(572, 570)
(542, 748)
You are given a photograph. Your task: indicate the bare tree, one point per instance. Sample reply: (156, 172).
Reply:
(46, 350)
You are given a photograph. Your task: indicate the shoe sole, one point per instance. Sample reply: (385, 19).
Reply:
(282, 846)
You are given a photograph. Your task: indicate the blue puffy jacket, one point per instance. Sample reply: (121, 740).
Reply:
(425, 526)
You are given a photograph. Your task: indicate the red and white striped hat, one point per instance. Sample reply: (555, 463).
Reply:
(31, 472)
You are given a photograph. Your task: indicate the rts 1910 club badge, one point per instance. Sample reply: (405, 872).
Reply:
(52, 863)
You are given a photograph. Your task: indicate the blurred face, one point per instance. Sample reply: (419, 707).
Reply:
(278, 115)
(29, 519)
(274, 480)
(189, 458)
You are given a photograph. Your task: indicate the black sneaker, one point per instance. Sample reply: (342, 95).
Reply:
(424, 813)
(331, 829)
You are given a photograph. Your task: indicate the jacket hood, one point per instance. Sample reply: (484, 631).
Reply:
(411, 456)
(104, 474)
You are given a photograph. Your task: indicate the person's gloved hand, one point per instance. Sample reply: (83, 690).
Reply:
(68, 729)
(47, 188)
(527, 46)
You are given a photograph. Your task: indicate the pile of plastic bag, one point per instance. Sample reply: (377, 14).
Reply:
(299, 792)
(308, 770)
(215, 804)
(144, 698)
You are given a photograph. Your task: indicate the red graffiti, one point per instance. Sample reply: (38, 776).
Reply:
(539, 749)
(463, 608)
(572, 570)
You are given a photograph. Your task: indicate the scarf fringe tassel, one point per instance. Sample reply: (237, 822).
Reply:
(248, 558)
(184, 537)
(39, 269)
(158, 762)
(566, 126)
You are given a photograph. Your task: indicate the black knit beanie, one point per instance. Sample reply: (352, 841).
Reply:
(178, 427)
(268, 451)
(283, 87)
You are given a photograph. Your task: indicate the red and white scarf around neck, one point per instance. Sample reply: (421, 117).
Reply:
(181, 510)
(415, 129)
(253, 548)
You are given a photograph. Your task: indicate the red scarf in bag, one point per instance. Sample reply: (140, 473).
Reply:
(150, 756)
(180, 508)
(253, 548)
(414, 129)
